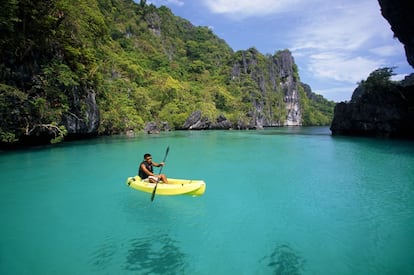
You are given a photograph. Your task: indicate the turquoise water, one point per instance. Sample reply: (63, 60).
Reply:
(278, 201)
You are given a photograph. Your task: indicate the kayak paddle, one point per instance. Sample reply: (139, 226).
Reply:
(155, 188)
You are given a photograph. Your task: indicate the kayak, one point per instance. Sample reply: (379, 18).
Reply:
(173, 187)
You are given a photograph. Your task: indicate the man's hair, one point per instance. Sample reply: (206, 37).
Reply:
(147, 155)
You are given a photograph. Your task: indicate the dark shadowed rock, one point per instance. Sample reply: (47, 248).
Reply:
(399, 13)
(83, 118)
(222, 123)
(386, 113)
(194, 122)
(152, 128)
(197, 122)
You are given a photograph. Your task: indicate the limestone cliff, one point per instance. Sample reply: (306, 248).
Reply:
(385, 110)
(270, 85)
(285, 64)
(274, 77)
(83, 118)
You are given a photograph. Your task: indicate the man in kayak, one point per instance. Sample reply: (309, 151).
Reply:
(146, 171)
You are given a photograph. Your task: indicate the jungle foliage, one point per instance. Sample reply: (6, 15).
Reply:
(143, 63)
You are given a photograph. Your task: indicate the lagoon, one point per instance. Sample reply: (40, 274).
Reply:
(278, 201)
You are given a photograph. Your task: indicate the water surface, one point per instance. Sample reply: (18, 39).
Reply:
(278, 201)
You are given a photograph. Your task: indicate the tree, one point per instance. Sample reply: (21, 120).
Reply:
(379, 81)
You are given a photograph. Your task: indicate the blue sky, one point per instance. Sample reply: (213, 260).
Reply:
(335, 43)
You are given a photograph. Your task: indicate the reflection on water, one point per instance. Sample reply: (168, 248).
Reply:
(284, 261)
(103, 256)
(154, 255)
(297, 131)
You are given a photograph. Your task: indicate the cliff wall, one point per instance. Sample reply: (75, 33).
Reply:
(399, 13)
(385, 110)
(270, 85)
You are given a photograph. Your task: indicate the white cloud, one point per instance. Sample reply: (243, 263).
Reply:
(176, 2)
(166, 2)
(398, 77)
(339, 27)
(341, 67)
(341, 44)
(388, 50)
(338, 94)
(248, 8)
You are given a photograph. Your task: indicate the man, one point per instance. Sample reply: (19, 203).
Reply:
(146, 171)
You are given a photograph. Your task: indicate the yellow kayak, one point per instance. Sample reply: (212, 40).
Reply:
(173, 187)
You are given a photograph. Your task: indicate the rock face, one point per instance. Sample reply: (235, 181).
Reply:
(154, 128)
(285, 64)
(197, 122)
(83, 118)
(399, 13)
(272, 88)
(275, 78)
(385, 114)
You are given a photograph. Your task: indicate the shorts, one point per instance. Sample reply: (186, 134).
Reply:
(152, 177)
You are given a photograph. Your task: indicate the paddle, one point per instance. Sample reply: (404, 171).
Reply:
(155, 188)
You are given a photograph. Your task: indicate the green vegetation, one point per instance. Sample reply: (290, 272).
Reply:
(316, 110)
(377, 85)
(140, 62)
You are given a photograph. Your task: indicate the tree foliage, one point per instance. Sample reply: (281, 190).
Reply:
(377, 84)
(142, 62)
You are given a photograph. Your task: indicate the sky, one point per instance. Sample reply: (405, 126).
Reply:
(335, 43)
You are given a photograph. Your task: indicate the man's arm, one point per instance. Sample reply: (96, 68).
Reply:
(158, 164)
